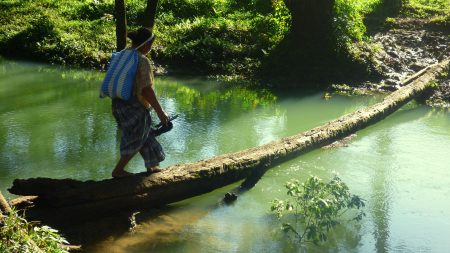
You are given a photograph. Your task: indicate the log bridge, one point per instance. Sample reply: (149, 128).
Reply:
(182, 181)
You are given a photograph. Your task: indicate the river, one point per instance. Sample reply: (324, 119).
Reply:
(54, 125)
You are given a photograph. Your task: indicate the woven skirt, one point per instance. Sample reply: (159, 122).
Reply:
(134, 121)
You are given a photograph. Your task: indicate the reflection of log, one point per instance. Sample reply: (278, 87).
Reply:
(187, 180)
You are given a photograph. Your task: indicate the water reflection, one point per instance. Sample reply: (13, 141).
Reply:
(380, 200)
(202, 227)
(53, 124)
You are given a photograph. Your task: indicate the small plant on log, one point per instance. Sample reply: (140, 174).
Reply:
(314, 208)
(18, 236)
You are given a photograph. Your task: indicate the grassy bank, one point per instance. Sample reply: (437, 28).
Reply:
(201, 36)
(222, 37)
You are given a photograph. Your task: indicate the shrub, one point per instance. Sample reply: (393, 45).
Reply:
(93, 10)
(40, 31)
(18, 235)
(317, 206)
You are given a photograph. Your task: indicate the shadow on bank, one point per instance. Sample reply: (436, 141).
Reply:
(323, 47)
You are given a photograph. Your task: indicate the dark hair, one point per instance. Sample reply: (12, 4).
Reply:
(139, 36)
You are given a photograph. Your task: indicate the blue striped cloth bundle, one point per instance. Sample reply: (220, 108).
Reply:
(119, 78)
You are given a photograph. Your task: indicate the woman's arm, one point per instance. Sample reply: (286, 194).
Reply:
(149, 94)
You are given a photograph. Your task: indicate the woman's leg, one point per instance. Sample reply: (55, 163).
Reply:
(152, 153)
(151, 167)
(119, 170)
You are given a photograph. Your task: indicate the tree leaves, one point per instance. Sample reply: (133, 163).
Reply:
(316, 205)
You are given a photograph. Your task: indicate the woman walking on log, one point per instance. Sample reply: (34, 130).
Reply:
(133, 115)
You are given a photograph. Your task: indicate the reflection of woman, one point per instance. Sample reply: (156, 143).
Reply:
(133, 116)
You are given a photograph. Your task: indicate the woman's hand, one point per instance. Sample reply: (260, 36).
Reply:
(149, 94)
(162, 115)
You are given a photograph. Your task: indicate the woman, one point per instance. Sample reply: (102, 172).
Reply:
(133, 116)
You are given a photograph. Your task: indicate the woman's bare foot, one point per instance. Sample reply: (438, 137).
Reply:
(154, 169)
(119, 171)
(121, 174)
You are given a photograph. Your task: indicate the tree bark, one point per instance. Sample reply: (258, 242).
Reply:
(394, 5)
(183, 181)
(307, 55)
(312, 23)
(150, 14)
(121, 24)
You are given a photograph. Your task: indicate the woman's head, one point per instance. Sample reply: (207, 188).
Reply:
(142, 39)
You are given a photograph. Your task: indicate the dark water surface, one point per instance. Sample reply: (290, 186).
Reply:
(54, 125)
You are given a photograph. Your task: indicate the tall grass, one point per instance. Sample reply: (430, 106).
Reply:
(424, 7)
(18, 236)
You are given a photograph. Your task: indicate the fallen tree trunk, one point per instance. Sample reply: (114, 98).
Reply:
(183, 181)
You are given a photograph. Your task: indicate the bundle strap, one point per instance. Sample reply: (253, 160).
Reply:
(147, 40)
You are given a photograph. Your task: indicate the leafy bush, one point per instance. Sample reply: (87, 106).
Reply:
(423, 8)
(316, 205)
(18, 235)
(93, 10)
(221, 37)
(348, 23)
(187, 9)
(40, 31)
(46, 31)
(201, 36)
(349, 20)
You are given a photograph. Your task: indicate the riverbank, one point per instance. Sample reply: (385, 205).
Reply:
(406, 44)
(200, 37)
(226, 40)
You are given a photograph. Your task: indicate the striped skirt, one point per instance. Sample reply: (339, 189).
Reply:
(134, 121)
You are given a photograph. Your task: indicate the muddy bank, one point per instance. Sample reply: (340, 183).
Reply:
(406, 46)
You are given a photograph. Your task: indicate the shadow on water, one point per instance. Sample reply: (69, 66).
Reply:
(188, 228)
(140, 229)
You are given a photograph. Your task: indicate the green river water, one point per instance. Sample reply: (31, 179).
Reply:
(54, 125)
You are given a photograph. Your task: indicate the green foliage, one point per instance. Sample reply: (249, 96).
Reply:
(437, 10)
(77, 33)
(17, 234)
(40, 31)
(348, 23)
(188, 9)
(92, 10)
(225, 37)
(317, 206)
(222, 37)
(200, 36)
(259, 6)
(424, 8)
(349, 18)
(433, 85)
